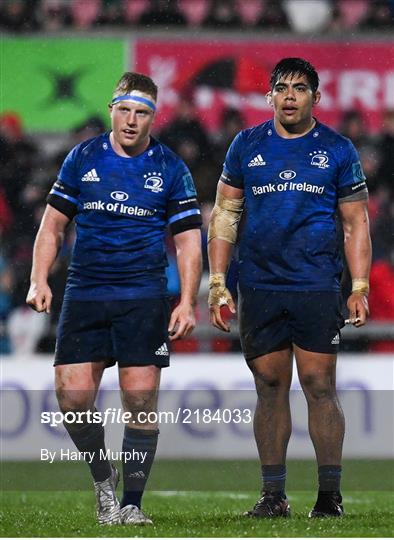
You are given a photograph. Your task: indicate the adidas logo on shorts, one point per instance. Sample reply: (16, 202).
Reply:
(162, 351)
(257, 161)
(335, 340)
(91, 176)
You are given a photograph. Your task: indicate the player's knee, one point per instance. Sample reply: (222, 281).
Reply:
(317, 387)
(269, 382)
(73, 400)
(75, 390)
(139, 402)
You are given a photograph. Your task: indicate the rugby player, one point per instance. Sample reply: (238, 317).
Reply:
(122, 188)
(291, 175)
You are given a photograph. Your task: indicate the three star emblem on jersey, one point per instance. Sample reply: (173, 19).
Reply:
(257, 161)
(319, 159)
(153, 182)
(91, 176)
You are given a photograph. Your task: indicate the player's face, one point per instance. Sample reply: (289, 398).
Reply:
(131, 125)
(292, 99)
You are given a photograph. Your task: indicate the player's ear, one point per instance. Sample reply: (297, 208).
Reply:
(109, 108)
(316, 97)
(268, 97)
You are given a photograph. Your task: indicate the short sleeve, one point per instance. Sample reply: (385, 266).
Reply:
(183, 210)
(64, 193)
(232, 171)
(351, 179)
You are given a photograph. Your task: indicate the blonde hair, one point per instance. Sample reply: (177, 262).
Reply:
(135, 81)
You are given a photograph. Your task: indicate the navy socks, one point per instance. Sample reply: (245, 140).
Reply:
(139, 448)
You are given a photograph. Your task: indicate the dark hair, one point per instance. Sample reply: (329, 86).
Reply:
(135, 81)
(295, 66)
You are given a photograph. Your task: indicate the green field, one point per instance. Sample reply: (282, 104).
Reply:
(189, 511)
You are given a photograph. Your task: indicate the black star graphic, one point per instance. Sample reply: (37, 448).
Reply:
(64, 86)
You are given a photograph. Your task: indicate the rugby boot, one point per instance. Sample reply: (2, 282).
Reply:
(328, 504)
(270, 505)
(132, 515)
(107, 504)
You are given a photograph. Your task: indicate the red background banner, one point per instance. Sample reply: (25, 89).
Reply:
(356, 75)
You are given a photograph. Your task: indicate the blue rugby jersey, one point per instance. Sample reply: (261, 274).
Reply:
(288, 241)
(121, 208)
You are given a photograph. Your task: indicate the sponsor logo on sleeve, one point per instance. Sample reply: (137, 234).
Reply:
(358, 173)
(185, 201)
(189, 185)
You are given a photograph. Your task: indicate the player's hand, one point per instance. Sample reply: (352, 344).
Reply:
(358, 309)
(39, 297)
(182, 321)
(219, 296)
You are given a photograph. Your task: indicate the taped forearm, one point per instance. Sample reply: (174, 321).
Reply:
(225, 218)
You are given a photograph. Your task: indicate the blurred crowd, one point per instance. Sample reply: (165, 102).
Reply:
(294, 15)
(28, 171)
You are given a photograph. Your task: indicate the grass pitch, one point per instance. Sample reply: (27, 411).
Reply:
(206, 513)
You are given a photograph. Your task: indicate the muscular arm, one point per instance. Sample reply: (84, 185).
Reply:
(354, 216)
(48, 241)
(189, 261)
(219, 255)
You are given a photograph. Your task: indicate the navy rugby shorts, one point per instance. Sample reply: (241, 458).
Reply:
(130, 332)
(274, 320)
